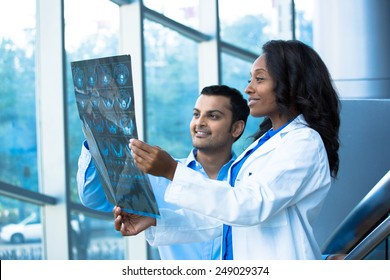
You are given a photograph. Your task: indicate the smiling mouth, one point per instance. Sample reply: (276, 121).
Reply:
(252, 101)
(201, 133)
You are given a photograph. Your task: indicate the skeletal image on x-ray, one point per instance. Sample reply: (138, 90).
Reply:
(105, 102)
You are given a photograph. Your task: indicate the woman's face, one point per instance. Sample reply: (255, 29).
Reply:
(260, 90)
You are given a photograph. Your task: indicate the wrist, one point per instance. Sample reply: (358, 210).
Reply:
(172, 170)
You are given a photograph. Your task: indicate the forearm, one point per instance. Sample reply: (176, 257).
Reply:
(90, 190)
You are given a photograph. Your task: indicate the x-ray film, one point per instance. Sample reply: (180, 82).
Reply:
(105, 101)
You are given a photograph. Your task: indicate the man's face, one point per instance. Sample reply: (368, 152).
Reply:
(211, 123)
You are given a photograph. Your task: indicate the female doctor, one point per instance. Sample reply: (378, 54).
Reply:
(278, 185)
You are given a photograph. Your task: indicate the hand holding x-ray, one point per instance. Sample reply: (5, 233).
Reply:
(152, 159)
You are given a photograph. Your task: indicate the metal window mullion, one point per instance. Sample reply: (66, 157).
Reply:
(184, 30)
(50, 126)
(209, 51)
(26, 195)
(238, 52)
(131, 42)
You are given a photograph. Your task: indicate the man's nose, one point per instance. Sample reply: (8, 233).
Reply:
(201, 120)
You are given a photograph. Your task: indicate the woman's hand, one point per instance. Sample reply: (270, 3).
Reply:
(152, 160)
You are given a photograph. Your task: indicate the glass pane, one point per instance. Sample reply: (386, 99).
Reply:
(95, 239)
(185, 12)
(304, 21)
(18, 141)
(251, 24)
(171, 88)
(21, 230)
(89, 33)
(235, 73)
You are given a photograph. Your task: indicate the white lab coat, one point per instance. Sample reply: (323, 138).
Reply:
(277, 196)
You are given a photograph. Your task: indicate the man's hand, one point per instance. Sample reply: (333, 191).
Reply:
(131, 224)
(152, 160)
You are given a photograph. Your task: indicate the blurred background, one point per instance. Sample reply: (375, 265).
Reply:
(177, 48)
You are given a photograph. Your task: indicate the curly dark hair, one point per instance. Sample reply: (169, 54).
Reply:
(303, 80)
(239, 105)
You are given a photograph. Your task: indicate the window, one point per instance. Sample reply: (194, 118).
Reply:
(185, 12)
(95, 239)
(21, 234)
(250, 25)
(171, 81)
(304, 21)
(87, 35)
(18, 141)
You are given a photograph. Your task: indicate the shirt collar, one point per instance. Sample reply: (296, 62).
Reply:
(191, 161)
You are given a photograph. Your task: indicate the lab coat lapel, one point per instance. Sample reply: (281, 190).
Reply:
(271, 144)
(264, 149)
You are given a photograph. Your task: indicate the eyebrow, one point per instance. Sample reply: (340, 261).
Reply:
(211, 111)
(260, 69)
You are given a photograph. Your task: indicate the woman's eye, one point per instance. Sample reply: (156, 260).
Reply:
(259, 79)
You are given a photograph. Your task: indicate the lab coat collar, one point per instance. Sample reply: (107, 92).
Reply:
(298, 122)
